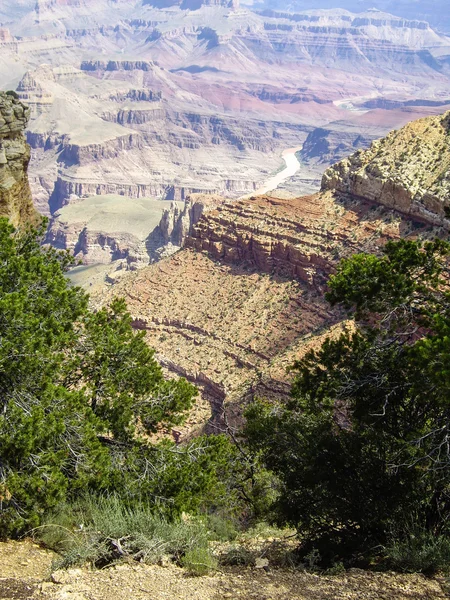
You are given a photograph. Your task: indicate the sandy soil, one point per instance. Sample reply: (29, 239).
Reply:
(25, 574)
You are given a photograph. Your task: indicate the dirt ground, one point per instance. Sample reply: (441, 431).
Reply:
(26, 574)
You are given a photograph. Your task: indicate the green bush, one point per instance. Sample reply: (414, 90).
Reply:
(80, 393)
(363, 443)
(199, 561)
(421, 552)
(221, 528)
(101, 531)
(237, 556)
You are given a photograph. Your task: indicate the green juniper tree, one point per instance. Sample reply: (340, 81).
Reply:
(79, 393)
(362, 450)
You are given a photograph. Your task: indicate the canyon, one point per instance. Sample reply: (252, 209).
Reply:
(231, 310)
(141, 103)
(244, 297)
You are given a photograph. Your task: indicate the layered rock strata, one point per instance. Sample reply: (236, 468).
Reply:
(109, 228)
(409, 171)
(245, 297)
(171, 97)
(15, 194)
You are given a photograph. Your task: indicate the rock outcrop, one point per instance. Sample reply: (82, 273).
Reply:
(408, 171)
(5, 36)
(245, 297)
(178, 223)
(15, 194)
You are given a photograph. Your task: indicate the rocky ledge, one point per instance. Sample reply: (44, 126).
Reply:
(244, 299)
(15, 194)
(408, 171)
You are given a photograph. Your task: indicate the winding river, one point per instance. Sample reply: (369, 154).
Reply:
(292, 166)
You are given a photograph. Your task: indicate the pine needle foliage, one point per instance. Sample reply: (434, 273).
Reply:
(363, 446)
(79, 393)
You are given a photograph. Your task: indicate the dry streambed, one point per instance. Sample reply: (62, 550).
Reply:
(25, 574)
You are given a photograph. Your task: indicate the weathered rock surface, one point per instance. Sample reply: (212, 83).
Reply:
(244, 298)
(409, 171)
(232, 310)
(15, 194)
(235, 308)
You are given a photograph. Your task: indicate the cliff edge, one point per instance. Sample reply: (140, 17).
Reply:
(409, 171)
(244, 298)
(15, 194)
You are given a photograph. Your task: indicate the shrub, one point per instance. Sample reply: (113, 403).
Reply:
(237, 556)
(80, 392)
(101, 531)
(199, 561)
(363, 443)
(221, 528)
(421, 551)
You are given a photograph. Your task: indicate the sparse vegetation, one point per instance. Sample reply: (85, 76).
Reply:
(101, 531)
(420, 551)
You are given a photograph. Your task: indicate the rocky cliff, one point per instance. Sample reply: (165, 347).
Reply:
(409, 171)
(178, 223)
(102, 229)
(15, 194)
(244, 298)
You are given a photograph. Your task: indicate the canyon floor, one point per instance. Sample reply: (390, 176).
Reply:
(26, 575)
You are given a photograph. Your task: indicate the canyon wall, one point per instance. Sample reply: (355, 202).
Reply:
(245, 297)
(15, 194)
(408, 171)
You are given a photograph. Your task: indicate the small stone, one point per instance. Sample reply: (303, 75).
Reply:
(261, 563)
(165, 561)
(46, 586)
(64, 577)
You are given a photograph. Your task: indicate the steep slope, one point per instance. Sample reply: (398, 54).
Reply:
(409, 171)
(245, 297)
(15, 194)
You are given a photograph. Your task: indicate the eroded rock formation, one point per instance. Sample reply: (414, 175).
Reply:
(178, 223)
(15, 194)
(409, 171)
(245, 297)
